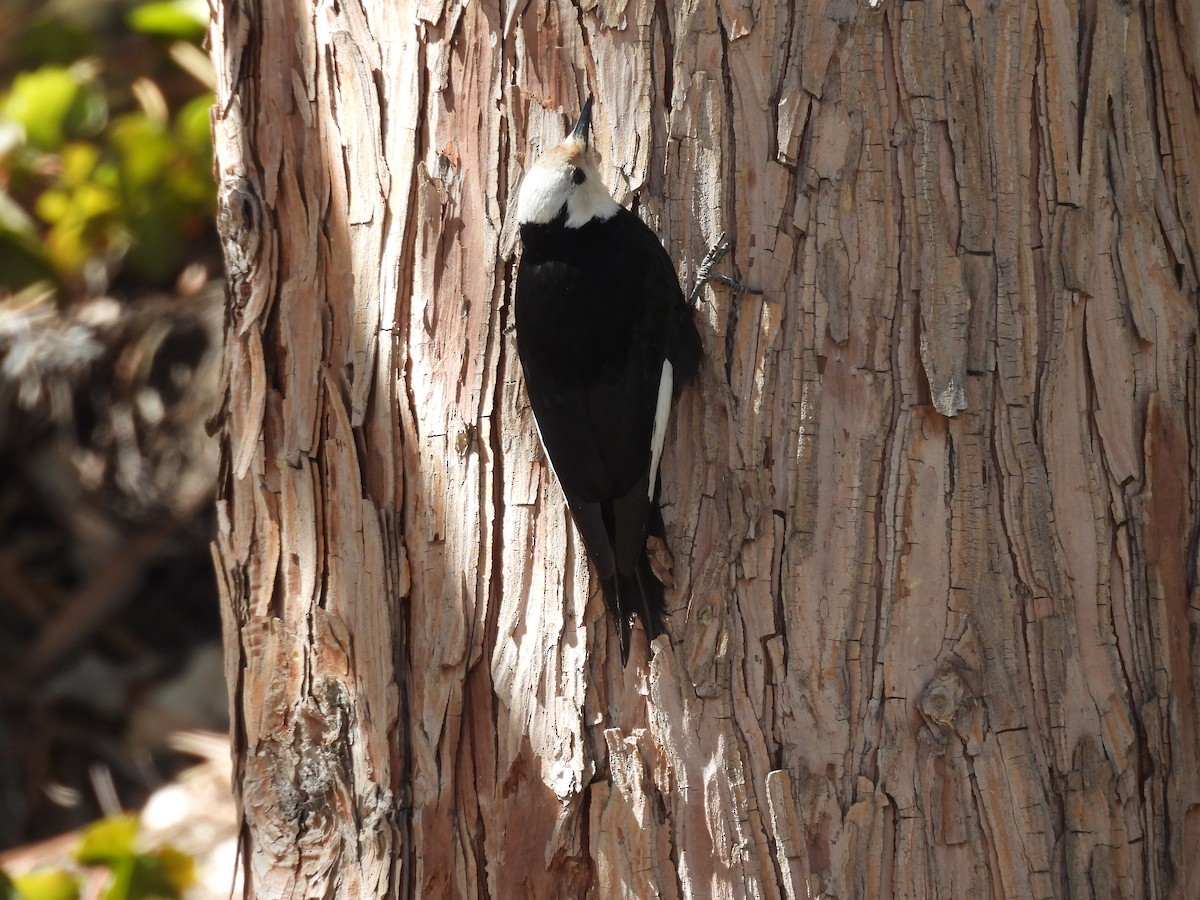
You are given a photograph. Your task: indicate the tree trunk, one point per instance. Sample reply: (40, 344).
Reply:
(934, 501)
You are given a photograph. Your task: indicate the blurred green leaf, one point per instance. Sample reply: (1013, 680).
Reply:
(166, 186)
(91, 201)
(178, 867)
(81, 212)
(53, 205)
(108, 840)
(78, 162)
(52, 103)
(143, 150)
(142, 876)
(52, 884)
(40, 101)
(182, 19)
(193, 127)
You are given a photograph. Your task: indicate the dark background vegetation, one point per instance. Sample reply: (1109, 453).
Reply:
(110, 309)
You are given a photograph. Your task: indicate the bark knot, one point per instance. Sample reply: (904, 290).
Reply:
(945, 699)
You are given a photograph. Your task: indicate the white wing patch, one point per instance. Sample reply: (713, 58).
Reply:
(662, 413)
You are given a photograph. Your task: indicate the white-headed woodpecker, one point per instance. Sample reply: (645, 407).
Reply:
(606, 341)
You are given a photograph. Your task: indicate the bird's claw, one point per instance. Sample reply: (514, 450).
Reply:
(704, 273)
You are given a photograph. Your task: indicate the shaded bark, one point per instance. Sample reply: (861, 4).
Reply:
(933, 502)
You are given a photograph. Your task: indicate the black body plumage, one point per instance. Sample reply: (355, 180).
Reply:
(599, 309)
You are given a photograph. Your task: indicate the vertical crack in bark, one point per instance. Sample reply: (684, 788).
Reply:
(994, 867)
(662, 17)
(496, 330)
(239, 42)
(1193, 539)
(1085, 41)
(779, 554)
(474, 838)
(1092, 405)
(501, 359)
(406, 856)
(872, 715)
(1164, 121)
(482, 667)
(729, 179)
(1158, 129)
(1155, 808)
(1138, 594)
(776, 93)
(884, 574)
(1043, 296)
(590, 67)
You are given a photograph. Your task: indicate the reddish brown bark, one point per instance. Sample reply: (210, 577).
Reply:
(933, 503)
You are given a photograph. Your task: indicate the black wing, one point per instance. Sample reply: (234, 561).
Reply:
(599, 309)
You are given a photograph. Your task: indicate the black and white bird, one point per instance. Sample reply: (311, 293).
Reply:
(606, 341)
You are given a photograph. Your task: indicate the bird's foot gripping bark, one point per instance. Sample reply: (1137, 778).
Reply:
(705, 273)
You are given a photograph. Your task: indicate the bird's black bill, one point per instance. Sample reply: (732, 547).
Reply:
(583, 127)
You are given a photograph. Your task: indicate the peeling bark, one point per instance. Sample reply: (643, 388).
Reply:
(933, 503)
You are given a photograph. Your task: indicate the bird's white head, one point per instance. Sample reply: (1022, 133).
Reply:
(569, 175)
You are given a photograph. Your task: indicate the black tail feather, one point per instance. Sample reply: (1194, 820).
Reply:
(612, 599)
(614, 534)
(641, 595)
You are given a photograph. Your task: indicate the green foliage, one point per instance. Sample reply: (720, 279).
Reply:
(183, 20)
(106, 171)
(53, 102)
(112, 843)
(52, 884)
(161, 874)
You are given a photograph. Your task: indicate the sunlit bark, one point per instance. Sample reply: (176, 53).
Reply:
(933, 502)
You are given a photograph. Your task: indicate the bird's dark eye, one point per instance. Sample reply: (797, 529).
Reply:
(579, 177)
